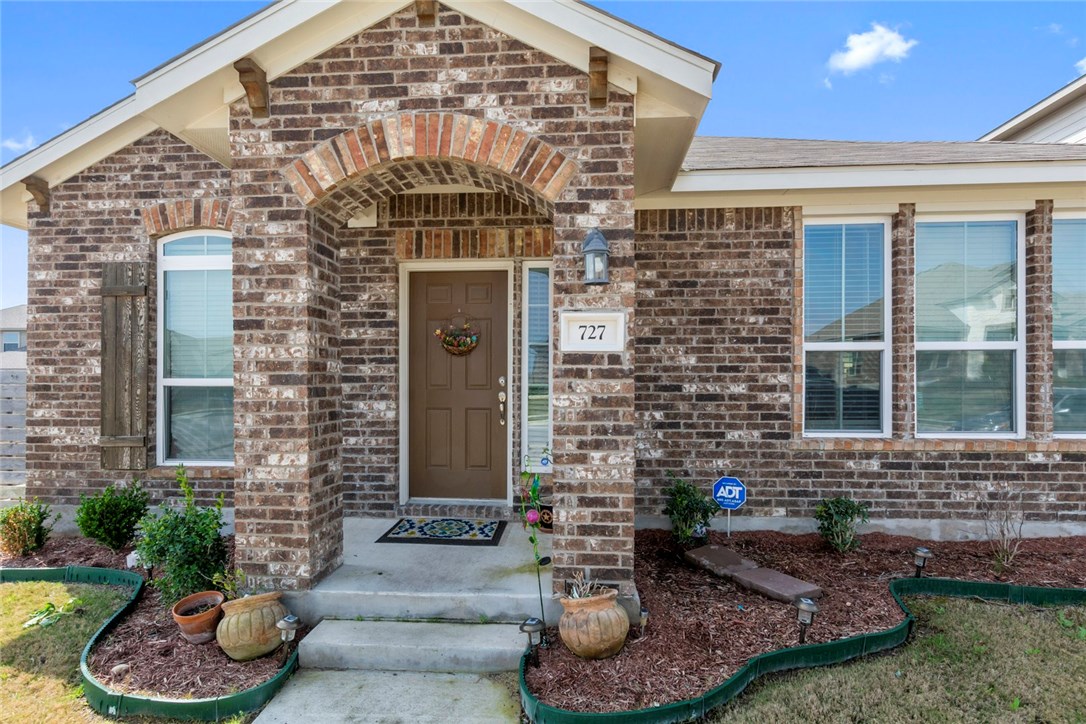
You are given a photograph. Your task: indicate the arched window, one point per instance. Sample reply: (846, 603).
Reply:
(195, 349)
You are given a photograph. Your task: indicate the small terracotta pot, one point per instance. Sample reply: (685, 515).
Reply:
(594, 627)
(198, 628)
(247, 629)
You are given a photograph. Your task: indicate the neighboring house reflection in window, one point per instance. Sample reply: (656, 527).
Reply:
(846, 340)
(1069, 326)
(969, 349)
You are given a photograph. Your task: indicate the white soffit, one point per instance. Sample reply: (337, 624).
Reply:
(881, 200)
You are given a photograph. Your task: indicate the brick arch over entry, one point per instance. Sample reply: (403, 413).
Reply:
(171, 217)
(407, 150)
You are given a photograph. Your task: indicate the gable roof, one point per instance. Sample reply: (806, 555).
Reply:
(190, 94)
(1074, 93)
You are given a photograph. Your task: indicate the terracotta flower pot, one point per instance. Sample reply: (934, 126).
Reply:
(594, 627)
(198, 628)
(247, 629)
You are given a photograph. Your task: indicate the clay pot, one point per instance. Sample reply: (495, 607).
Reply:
(198, 628)
(594, 627)
(247, 629)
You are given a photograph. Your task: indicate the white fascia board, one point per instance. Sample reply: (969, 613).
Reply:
(1037, 111)
(881, 176)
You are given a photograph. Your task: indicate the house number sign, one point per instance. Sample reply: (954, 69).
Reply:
(593, 331)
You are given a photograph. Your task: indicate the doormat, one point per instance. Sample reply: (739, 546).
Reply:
(445, 531)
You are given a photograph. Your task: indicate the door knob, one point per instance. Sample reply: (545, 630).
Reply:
(501, 407)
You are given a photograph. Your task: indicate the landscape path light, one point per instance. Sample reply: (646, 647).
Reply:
(533, 627)
(806, 609)
(920, 558)
(288, 626)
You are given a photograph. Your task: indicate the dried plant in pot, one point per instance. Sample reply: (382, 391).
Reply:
(198, 615)
(247, 629)
(593, 624)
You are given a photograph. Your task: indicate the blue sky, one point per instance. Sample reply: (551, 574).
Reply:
(894, 71)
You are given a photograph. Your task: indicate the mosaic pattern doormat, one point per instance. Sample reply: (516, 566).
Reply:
(445, 531)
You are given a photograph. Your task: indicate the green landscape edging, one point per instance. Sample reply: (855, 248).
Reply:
(114, 703)
(812, 655)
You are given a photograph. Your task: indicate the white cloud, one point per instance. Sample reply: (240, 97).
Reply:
(1081, 67)
(14, 144)
(826, 84)
(1054, 28)
(886, 78)
(863, 50)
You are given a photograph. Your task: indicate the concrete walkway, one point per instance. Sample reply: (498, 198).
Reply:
(393, 697)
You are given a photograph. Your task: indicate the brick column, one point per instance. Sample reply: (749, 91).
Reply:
(288, 496)
(903, 322)
(1038, 331)
(594, 452)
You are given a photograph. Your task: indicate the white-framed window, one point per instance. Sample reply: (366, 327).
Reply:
(536, 415)
(846, 328)
(1069, 325)
(14, 340)
(195, 349)
(970, 326)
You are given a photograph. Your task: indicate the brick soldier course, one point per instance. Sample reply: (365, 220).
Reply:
(357, 162)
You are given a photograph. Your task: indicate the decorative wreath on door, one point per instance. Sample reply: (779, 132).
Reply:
(458, 340)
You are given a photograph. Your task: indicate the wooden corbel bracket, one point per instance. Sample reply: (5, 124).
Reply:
(597, 77)
(255, 82)
(426, 11)
(39, 190)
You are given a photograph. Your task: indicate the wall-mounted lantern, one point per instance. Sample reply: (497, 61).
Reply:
(596, 254)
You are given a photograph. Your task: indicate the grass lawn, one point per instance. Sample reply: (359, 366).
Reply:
(39, 667)
(969, 662)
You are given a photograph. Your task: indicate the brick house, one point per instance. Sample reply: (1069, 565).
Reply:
(241, 267)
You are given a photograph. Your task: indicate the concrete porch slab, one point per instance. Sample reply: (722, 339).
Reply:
(418, 581)
(392, 697)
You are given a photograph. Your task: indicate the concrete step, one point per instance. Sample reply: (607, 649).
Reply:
(413, 646)
(393, 697)
(347, 596)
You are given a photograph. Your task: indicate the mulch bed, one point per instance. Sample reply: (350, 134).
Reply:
(702, 628)
(160, 662)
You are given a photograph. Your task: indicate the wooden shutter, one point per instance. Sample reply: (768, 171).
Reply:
(124, 365)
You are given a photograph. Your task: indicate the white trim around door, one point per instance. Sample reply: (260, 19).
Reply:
(406, 269)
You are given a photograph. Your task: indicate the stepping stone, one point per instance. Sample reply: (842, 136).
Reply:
(775, 584)
(722, 561)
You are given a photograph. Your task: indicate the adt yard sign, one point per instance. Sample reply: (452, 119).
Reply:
(729, 493)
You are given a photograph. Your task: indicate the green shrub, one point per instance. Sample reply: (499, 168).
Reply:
(837, 520)
(24, 527)
(184, 546)
(111, 516)
(690, 510)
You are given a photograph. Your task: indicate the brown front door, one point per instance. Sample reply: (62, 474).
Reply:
(458, 427)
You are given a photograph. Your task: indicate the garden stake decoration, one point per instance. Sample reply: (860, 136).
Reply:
(531, 511)
(807, 609)
(920, 558)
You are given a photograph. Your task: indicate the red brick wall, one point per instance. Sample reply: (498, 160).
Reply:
(395, 67)
(719, 370)
(95, 217)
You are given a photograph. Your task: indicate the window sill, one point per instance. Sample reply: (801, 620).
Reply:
(928, 444)
(197, 470)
